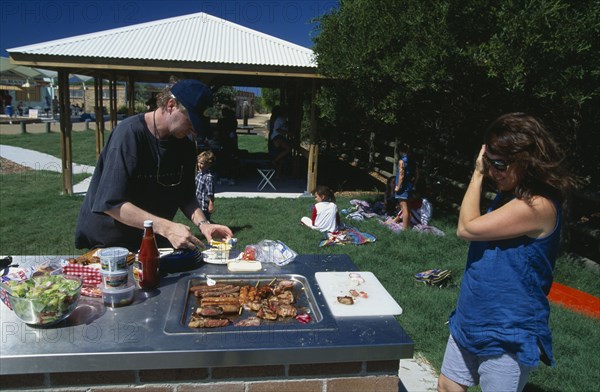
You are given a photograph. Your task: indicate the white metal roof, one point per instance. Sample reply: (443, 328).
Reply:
(199, 37)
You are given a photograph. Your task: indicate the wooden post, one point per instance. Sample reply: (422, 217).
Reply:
(113, 103)
(23, 127)
(65, 132)
(371, 149)
(99, 106)
(313, 148)
(131, 95)
(313, 164)
(48, 127)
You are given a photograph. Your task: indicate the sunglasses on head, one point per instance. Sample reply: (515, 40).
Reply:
(498, 164)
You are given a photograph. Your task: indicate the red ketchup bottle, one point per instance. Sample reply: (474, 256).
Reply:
(146, 272)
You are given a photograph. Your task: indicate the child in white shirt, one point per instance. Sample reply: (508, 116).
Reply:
(325, 216)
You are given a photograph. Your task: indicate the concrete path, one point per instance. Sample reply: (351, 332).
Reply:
(416, 375)
(40, 161)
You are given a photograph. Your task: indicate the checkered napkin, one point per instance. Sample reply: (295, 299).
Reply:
(90, 276)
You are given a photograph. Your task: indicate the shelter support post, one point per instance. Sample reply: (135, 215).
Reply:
(65, 132)
(130, 95)
(313, 161)
(294, 105)
(313, 148)
(99, 109)
(113, 103)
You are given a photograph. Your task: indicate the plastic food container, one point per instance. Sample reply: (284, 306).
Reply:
(116, 279)
(113, 259)
(117, 297)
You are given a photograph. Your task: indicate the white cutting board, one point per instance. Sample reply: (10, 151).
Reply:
(338, 284)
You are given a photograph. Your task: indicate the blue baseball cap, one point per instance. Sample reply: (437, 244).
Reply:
(196, 97)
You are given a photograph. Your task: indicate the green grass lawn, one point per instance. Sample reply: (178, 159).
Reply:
(36, 219)
(252, 143)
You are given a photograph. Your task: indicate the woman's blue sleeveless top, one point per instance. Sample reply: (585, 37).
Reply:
(502, 305)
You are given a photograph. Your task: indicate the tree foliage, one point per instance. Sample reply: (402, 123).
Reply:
(270, 97)
(225, 95)
(437, 72)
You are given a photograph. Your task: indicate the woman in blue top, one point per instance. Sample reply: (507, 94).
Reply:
(499, 330)
(406, 176)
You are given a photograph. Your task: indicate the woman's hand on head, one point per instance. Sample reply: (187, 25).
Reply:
(479, 167)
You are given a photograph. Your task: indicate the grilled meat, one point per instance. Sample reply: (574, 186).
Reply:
(286, 297)
(282, 286)
(249, 322)
(345, 300)
(202, 322)
(209, 311)
(255, 305)
(243, 298)
(210, 291)
(266, 313)
(218, 301)
(251, 293)
(264, 291)
(286, 310)
(271, 301)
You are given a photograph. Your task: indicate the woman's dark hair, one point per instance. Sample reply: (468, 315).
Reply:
(325, 192)
(524, 141)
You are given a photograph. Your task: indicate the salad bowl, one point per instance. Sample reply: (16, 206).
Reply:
(45, 299)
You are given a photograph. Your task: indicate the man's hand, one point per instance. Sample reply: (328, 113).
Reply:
(210, 230)
(181, 237)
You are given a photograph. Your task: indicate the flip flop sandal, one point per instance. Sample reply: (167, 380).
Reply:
(426, 275)
(440, 277)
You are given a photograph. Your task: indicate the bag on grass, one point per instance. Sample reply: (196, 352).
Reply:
(435, 277)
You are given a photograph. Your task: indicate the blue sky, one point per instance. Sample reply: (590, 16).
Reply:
(24, 22)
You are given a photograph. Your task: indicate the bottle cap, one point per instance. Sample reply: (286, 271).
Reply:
(148, 223)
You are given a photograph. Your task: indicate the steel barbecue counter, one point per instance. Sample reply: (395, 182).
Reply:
(153, 332)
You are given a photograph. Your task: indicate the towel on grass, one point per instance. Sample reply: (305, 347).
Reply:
(349, 235)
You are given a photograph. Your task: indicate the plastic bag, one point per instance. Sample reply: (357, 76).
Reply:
(270, 251)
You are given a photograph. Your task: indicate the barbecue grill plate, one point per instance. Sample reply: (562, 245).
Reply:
(184, 303)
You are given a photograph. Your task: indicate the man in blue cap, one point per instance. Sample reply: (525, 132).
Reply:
(146, 172)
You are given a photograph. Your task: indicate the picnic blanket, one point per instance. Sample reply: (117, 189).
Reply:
(348, 235)
(420, 209)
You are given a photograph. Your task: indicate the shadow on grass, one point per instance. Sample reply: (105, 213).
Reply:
(535, 388)
(237, 229)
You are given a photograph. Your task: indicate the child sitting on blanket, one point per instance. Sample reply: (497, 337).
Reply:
(325, 216)
(420, 210)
